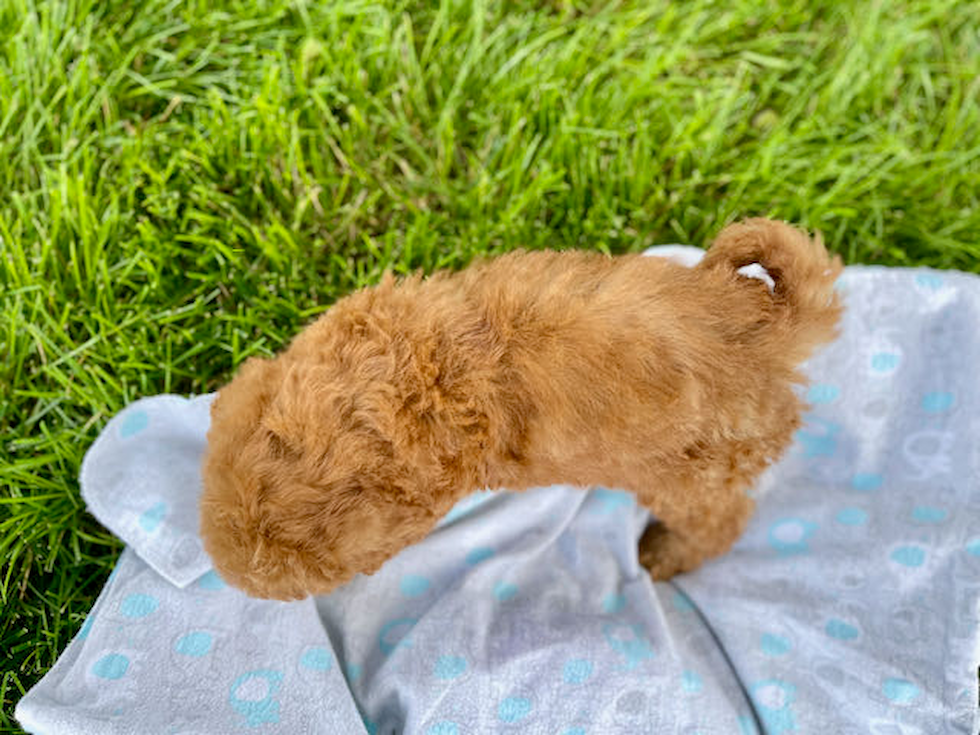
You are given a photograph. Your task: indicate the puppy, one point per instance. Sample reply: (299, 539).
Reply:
(531, 369)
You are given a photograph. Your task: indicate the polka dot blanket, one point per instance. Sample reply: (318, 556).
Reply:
(849, 606)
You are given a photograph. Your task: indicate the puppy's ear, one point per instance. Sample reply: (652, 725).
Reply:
(803, 302)
(800, 266)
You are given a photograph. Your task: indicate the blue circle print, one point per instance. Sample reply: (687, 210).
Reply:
(630, 641)
(480, 553)
(819, 437)
(412, 585)
(929, 281)
(388, 642)
(900, 691)
(138, 606)
(614, 603)
(822, 393)
(691, 682)
(111, 666)
(316, 658)
(514, 709)
(211, 581)
(443, 728)
(773, 699)
(682, 603)
(937, 402)
(134, 423)
(253, 696)
(884, 362)
(195, 644)
(852, 517)
(449, 667)
(504, 591)
(791, 535)
(840, 630)
(746, 725)
(604, 500)
(576, 671)
(909, 556)
(151, 517)
(928, 514)
(866, 482)
(774, 645)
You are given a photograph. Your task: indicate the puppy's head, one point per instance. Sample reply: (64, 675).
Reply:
(302, 488)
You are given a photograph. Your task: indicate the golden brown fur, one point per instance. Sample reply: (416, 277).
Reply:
(531, 369)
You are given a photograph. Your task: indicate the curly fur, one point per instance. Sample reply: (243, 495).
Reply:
(530, 369)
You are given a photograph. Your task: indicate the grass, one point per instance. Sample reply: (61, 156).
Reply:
(184, 184)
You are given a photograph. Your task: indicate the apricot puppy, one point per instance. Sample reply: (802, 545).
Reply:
(532, 369)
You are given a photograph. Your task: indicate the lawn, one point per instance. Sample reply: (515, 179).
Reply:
(184, 184)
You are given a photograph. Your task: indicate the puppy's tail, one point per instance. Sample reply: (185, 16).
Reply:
(803, 309)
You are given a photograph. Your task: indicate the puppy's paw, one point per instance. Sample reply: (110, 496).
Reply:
(665, 554)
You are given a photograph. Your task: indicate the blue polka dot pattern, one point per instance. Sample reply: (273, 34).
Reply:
(479, 554)
(111, 666)
(316, 658)
(840, 630)
(413, 585)
(900, 691)
(253, 694)
(388, 639)
(504, 591)
(138, 606)
(86, 627)
(773, 699)
(774, 645)
(928, 514)
(818, 437)
(607, 501)
(211, 581)
(691, 682)
(937, 402)
(614, 603)
(822, 393)
(791, 535)
(973, 547)
(852, 517)
(884, 362)
(909, 556)
(574, 731)
(449, 667)
(866, 482)
(514, 709)
(195, 644)
(133, 424)
(682, 603)
(929, 281)
(576, 671)
(150, 519)
(630, 642)
(445, 727)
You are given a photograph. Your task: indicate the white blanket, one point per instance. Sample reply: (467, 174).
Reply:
(849, 606)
